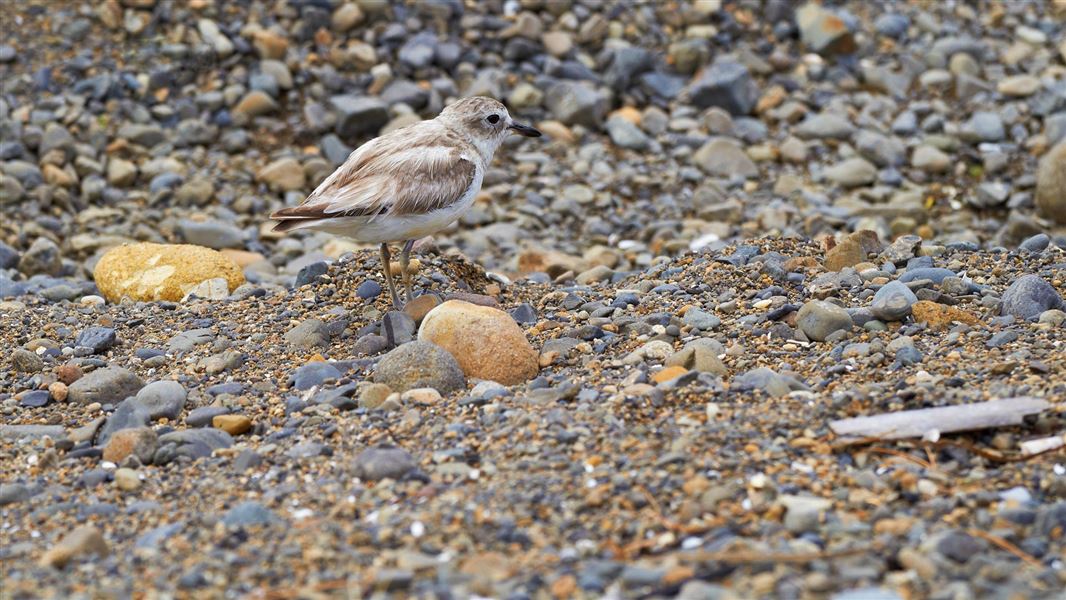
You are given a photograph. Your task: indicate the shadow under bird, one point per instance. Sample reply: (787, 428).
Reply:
(408, 183)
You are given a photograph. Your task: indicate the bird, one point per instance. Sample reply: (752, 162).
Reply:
(408, 183)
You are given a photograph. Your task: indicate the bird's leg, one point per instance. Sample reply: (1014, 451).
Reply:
(387, 268)
(405, 258)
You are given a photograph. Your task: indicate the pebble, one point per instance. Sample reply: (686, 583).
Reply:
(385, 462)
(232, 424)
(1029, 296)
(151, 272)
(97, 339)
(1051, 184)
(893, 301)
(818, 319)
(136, 441)
(80, 542)
(420, 364)
(106, 385)
(486, 341)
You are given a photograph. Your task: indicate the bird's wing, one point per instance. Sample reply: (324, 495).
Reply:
(391, 176)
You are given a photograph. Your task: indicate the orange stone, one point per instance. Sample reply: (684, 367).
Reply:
(232, 424)
(564, 587)
(669, 373)
(941, 316)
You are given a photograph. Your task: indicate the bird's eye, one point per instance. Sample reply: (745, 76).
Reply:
(494, 119)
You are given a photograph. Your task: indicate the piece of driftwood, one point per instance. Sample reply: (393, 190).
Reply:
(1041, 445)
(945, 419)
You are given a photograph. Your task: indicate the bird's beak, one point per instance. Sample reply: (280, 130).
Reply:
(523, 130)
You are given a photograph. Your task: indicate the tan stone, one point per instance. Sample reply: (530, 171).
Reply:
(485, 341)
(138, 441)
(284, 174)
(127, 480)
(418, 308)
(1051, 184)
(941, 316)
(847, 253)
(83, 541)
(232, 424)
(147, 272)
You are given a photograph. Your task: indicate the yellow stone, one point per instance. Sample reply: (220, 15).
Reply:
(232, 424)
(148, 272)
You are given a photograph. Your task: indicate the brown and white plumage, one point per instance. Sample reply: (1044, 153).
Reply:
(408, 183)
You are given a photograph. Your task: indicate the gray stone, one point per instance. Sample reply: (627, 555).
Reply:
(309, 334)
(893, 302)
(211, 234)
(162, 399)
(249, 514)
(398, 328)
(420, 364)
(187, 340)
(699, 319)
(852, 173)
(106, 386)
(9, 257)
(97, 338)
(383, 462)
(43, 256)
(314, 373)
(204, 415)
(626, 135)
(725, 157)
(359, 115)
(13, 493)
(576, 103)
(818, 319)
(767, 380)
(959, 546)
(726, 84)
(882, 150)
(1029, 296)
(19, 432)
(129, 414)
(983, 126)
(824, 126)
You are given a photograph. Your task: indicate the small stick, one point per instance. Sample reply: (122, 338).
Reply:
(1009, 547)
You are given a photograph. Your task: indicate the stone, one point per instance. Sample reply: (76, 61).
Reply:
(212, 34)
(359, 115)
(346, 16)
(824, 126)
(383, 462)
(162, 399)
(135, 441)
(767, 380)
(121, 173)
(847, 253)
(725, 157)
(42, 257)
(983, 126)
(249, 514)
(699, 319)
(255, 104)
(852, 173)
(893, 302)
(486, 341)
(959, 546)
(232, 424)
(941, 316)
(284, 174)
(127, 479)
(83, 541)
(25, 361)
(149, 272)
(701, 354)
(822, 31)
(420, 364)
(313, 374)
(727, 84)
(882, 150)
(626, 135)
(576, 103)
(930, 159)
(211, 234)
(817, 319)
(98, 339)
(1018, 86)
(1028, 296)
(309, 334)
(108, 385)
(1051, 184)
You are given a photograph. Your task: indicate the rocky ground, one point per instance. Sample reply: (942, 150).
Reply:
(748, 220)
